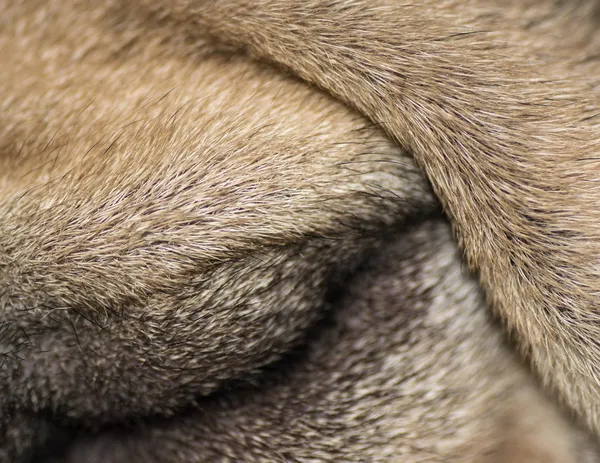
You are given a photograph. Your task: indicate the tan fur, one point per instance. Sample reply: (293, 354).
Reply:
(502, 119)
(204, 259)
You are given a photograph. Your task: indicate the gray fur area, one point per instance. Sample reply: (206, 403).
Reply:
(382, 379)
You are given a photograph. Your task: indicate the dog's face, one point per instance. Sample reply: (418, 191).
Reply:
(204, 259)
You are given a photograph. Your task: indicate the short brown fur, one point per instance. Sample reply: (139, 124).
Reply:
(204, 259)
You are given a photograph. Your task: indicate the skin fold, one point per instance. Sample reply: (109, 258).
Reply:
(228, 231)
(506, 133)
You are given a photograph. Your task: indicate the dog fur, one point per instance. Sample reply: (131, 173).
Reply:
(203, 258)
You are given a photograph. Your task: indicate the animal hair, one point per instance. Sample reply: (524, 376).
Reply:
(227, 231)
(506, 134)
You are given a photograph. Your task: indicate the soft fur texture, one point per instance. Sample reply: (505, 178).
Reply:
(203, 258)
